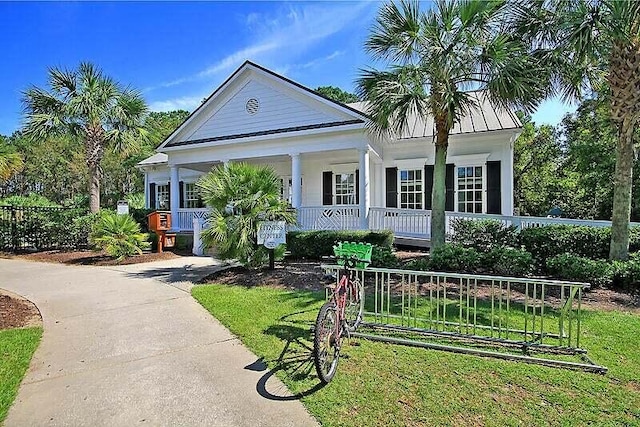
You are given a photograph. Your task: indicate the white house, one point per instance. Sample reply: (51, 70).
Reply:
(332, 170)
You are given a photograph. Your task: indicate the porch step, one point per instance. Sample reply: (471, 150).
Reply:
(412, 241)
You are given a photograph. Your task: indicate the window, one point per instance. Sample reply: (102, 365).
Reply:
(162, 196)
(191, 198)
(411, 191)
(285, 188)
(345, 186)
(470, 189)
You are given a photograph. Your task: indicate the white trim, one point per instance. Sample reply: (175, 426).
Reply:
(343, 167)
(469, 159)
(410, 164)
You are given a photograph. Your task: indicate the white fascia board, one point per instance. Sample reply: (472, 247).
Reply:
(269, 137)
(274, 147)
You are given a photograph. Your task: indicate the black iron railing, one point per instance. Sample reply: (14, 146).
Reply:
(28, 229)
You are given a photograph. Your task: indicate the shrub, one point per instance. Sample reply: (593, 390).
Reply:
(32, 199)
(118, 235)
(627, 273)
(316, 244)
(483, 235)
(140, 216)
(552, 240)
(576, 268)
(418, 264)
(456, 258)
(508, 261)
(383, 257)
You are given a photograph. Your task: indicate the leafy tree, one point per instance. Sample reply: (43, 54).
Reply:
(337, 94)
(241, 195)
(90, 106)
(537, 172)
(434, 57)
(11, 162)
(585, 43)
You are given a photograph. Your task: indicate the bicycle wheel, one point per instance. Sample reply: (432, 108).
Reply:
(354, 306)
(326, 349)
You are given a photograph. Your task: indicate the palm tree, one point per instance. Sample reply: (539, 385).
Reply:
(240, 195)
(434, 58)
(11, 162)
(589, 44)
(86, 104)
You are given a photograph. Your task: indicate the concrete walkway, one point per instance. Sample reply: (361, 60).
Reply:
(129, 345)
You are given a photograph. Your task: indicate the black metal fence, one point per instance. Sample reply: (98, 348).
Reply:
(31, 229)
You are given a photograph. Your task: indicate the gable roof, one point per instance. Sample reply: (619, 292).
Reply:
(348, 114)
(482, 119)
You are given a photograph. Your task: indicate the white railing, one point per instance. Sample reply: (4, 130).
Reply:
(403, 222)
(328, 218)
(184, 222)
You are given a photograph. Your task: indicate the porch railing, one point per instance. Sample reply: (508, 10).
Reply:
(329, 218)
(530, 320)
(414, 223)
(185, 218)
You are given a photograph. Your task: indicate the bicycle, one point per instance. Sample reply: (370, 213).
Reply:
(342, 313)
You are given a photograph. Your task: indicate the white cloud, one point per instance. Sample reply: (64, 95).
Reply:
(283, 37)
(188, 103)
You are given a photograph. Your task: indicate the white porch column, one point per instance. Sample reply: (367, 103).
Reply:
(379, 180)
(174, 190)
(147, 196)
(364, 188)
(296, 181)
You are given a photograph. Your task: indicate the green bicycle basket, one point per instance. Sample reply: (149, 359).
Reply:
(361, 251)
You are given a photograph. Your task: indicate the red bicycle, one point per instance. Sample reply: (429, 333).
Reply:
(342, 313)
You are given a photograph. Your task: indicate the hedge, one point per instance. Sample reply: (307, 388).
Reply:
(316, 244)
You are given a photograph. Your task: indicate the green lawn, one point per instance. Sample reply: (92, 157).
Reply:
(16, 348)
(381, 384)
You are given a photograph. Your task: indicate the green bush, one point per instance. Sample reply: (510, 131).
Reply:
(626, 274)
(383, 257)
(506, 261)
(118, 235)
(581, 269)
(316, 244)
(455, 258)
(140, 216)
(32, 199)
(483, 235)
(418, 264)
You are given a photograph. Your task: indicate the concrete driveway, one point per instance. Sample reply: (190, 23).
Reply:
(129, 345)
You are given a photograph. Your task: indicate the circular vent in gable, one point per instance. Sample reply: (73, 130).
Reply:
(252, 106)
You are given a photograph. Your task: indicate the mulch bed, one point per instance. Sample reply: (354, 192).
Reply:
(17, 312)
(91, 257)
(307, 275)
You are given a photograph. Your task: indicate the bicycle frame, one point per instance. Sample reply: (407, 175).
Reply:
(339, 296)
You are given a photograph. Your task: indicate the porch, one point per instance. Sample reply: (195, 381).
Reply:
(405, 223)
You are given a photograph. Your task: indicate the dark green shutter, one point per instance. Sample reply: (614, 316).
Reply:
(181, 191)
(449, 182)
(428, 186)
(494, 194)
(392, 187)
(152, 195)
(327, 188)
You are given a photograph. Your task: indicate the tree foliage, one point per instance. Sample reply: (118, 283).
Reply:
(337, 94)
(240, 196)
(434, 58)
(90, 106)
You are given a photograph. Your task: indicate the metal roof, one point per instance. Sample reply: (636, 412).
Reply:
(482, 119)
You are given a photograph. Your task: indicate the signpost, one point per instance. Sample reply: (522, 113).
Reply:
(271, 234)
(123, 207)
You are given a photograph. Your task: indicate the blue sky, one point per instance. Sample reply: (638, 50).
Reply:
(178, 53)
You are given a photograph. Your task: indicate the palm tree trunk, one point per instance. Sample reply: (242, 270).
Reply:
(439, 195)
(94, 188)
(94, 151)
(623, 179)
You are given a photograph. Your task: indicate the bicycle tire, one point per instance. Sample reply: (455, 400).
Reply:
(326, 350)
(354, 307)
